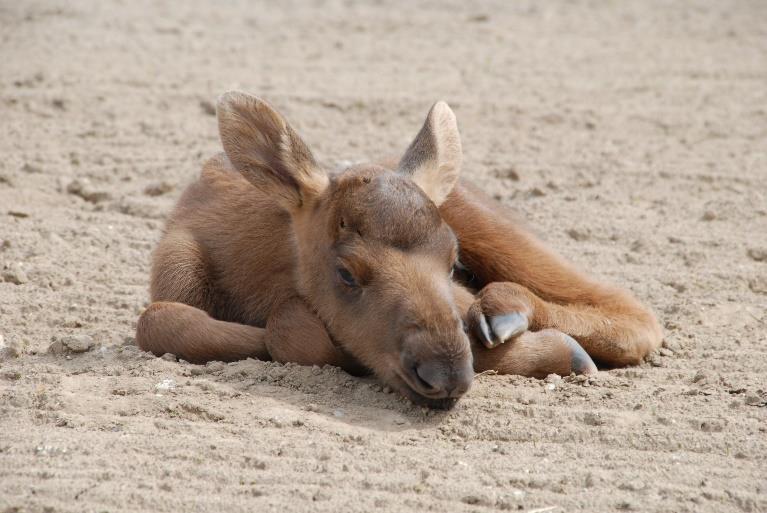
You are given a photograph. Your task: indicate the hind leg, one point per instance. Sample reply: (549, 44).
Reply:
(195, 336)
(180, 272)
(526, 285)
(179, 320)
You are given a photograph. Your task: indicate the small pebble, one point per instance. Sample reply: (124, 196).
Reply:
(208, 107)
(757, 254)
(758, 285)
(158, 189)
(14, 273)
(593, 419)
(83, 188)
(31, 168)
(72, 344)
(78, 343)
(215, 366)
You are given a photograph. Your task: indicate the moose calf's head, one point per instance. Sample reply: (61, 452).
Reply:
(374, 255)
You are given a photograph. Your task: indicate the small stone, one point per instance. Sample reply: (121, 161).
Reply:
(553, 378)
(208, 107)
(758, 285)
(671, 345)
(31, 168)
(593, 419)
(56, 348)
(83, 188)
(471, 500)
(702, 376)
(752, 400)
(578, 235)
(169, 357)
(158, 188)
(8, 349)
(14, 273)
(215, 366)
(757, 254)
(78, 343)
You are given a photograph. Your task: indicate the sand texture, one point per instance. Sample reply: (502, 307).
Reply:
(631, 135)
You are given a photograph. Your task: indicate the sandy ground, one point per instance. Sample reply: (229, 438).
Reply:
(633, 136)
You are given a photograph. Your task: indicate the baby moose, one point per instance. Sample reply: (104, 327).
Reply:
(398, 269)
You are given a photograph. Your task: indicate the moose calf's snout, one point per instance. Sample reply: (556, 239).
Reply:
(441, 379)
(437, 366)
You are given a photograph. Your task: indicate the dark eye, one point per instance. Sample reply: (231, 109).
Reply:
(457, 267)
(346, 277)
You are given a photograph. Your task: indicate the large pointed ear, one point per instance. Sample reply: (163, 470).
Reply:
(267, 151)
(434, 158)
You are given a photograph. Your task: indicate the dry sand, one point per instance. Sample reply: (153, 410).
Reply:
(633, 136)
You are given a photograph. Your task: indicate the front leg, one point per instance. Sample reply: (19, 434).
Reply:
(295, 334)
(497, 324)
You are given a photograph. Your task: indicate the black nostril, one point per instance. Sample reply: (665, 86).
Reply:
(428, 376)
(443, 379)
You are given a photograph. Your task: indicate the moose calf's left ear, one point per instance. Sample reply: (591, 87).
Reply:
(433, 159)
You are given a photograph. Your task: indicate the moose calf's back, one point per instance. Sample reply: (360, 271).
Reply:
(228, 249)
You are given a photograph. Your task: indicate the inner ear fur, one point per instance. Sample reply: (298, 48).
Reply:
(433, 159)
(263, 146)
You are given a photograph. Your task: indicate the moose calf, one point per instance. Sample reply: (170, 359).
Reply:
(398, 269)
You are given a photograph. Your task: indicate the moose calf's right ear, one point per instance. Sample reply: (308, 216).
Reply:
(433, 159)
(267, 151)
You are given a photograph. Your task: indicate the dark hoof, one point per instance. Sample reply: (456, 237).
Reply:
(501, 328)
(580, 361)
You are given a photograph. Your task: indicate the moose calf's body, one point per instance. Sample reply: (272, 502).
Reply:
(268, 256)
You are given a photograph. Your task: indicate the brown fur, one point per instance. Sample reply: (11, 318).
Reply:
(259, 267)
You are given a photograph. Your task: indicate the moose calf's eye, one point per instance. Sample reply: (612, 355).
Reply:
(346, 277)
